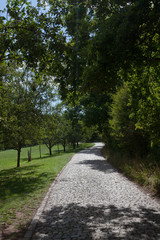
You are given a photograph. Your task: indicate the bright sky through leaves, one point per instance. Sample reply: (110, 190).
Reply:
(3, 3)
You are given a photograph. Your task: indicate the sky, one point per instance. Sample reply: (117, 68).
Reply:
(3, 3)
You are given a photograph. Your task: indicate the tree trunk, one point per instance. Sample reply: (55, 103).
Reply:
(31, 153)
(74, 145)
(58, 148)
(18, 157)
(28, 156)
(40, 151)
(77, 144)
(64, 147)
(50, 150)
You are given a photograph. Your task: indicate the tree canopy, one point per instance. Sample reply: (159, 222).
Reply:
(103, 56)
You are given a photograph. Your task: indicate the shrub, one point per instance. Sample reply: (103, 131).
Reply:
(123, 128)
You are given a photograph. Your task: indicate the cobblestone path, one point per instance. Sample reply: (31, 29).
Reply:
(91, 200)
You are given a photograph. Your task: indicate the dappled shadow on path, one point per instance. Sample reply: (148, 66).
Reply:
(96, 161)
(91, 222)
(100, 165)
(95, 150)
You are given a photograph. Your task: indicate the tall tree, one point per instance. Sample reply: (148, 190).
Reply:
(125, 33)
(50, 131)
(21, 112)
(65, 130)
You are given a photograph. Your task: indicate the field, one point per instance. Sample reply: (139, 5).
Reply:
(22, 189)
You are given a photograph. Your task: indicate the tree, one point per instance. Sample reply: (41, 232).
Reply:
(25, 39)
(124, 39)
(95, 109)
(144, 101)
(22, 121)
(123, 123)
(26, 34)
(21, 108)
(65, 130)
(90, 48)
(124, 34)
(50, 129)
(75, 21)
(72, 116)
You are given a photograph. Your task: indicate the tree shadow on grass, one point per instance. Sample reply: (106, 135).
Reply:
(45, 156)
(20, 181)
(90, 222)
(54, 154)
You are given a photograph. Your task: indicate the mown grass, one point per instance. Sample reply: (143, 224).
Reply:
(145, 172)
(22, 189)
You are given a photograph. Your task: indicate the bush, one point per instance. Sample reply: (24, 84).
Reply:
(123, 128)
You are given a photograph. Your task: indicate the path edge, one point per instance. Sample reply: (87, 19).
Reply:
(29, 233)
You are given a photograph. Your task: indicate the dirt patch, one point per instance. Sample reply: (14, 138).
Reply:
(17, 229)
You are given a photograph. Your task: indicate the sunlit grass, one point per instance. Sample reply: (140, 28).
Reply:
(8, 158)
(22, 189)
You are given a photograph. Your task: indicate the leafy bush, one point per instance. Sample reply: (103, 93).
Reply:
(122, 126)
(144, 90)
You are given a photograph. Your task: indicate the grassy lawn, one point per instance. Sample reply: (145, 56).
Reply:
(22, 189)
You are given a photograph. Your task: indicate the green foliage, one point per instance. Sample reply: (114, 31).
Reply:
(95, 108)
(120, 112)
(136, 26)
(106, 60)
(50, 131)
(64, 130)
(90, 49)
(145, 101)
(22, 100)
(72, 116)
(29, 35)
(90, 134)
(134, 111)
(123, 128)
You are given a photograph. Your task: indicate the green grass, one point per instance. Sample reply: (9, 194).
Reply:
(22, 189)
(145, 172)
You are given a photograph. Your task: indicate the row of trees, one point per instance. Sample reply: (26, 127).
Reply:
(28, 117)
(103, 56)
(33, 60)
(119, 61)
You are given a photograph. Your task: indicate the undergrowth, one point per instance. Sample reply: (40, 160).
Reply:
(144, 171)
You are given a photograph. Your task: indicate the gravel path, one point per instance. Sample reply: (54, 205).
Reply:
(91, 200)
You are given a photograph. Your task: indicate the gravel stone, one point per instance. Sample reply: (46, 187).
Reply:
(91, 200)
